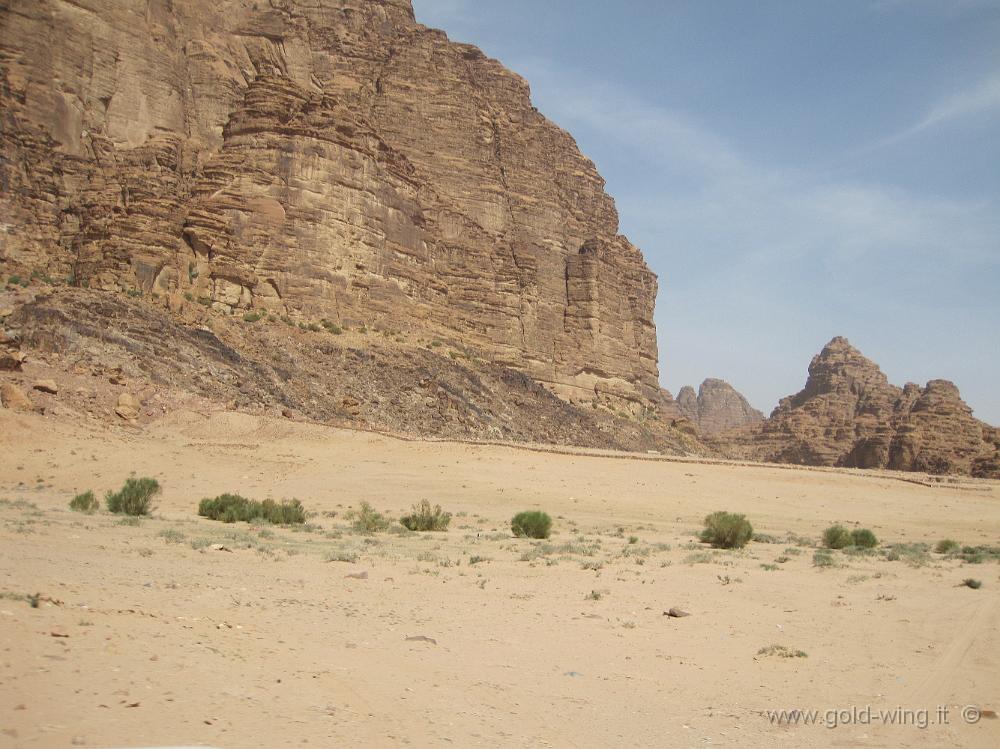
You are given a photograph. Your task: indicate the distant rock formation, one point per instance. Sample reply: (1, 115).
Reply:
(849, 415)
(317, 161)
(717, 406)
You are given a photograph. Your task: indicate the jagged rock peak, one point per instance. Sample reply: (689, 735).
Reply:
(717, 406)
(848, 414)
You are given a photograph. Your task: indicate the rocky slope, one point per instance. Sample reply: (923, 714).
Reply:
(331, 160)
(716, 407)
(849, 414)
(126, 361)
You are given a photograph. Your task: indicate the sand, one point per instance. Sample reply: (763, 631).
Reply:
(146, 635)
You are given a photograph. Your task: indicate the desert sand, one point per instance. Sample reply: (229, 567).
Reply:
(147, 635)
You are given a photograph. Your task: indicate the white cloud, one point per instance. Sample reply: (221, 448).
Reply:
(982, 98)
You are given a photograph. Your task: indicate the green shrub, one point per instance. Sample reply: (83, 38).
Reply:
(863, 538)
(974, 584)
(836, 537)
(331, 327)
(252, 316)
(85, 502)
(823, 558)
(425, 518)
(532, 523)
(782, 652)
(233, 508)
(134, 498)
(727, 530)
(946, 546)
(368, 520)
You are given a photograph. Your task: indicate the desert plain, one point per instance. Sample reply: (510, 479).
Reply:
(179, 630)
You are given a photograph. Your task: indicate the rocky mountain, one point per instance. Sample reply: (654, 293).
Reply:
(716, 407)
(316, 161)
(848, 414)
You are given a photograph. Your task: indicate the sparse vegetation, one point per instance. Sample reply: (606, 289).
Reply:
(782, 652)
(594, 595)
(863, 538)
(233, 508)
(533, 524)
(836, 537)
(252, 316)
(331, 327)
(85, 502)
(342, 556)
(972, 583)
(425, 518)
(171, 536)
(823, 558)
(134, 498)
(369, 520)
(915, 555)
(727, 530)
(946, 546)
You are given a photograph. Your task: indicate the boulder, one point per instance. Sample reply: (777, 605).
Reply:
(13, 397)
(128, 406)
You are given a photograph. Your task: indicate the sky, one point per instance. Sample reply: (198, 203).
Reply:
(791, 171)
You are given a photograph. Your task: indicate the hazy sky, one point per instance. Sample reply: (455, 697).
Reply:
(791, 170)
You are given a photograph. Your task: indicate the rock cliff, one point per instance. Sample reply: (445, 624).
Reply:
(849, 415)
(318, 161)
(716, 407)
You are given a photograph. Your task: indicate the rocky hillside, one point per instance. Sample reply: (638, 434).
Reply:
(317, 161)
(78, 353)
(716, 407)
(848, 414)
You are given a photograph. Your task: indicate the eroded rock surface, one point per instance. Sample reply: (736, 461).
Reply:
(331, 160)
(849, 414)
(716, 407)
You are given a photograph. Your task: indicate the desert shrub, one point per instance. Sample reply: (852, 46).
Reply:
(971, 583)
(171, 536)
(823, 558)
(369, 520)
(946, 546)
(331, 327)
(863, 538)
(342, 556)
(836, 537)
(782, 652)
(533, 524)
(85, 502)
(727, 530)
(134, 498)
(425, 518)
(915, 555)
(233, 508)
(252, 316)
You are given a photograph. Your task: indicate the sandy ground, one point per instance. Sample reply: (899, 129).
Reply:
(145, 635)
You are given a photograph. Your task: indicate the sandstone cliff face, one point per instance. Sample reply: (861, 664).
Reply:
(716, 407)
(849, 414)
(331, 160)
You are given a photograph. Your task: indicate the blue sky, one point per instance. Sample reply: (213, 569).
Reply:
(791, 170)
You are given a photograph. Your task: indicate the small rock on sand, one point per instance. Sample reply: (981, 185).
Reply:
(128, 406)
(676, 612)
(46, 386)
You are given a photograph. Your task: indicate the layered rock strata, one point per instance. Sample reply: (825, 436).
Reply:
(332, 160)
